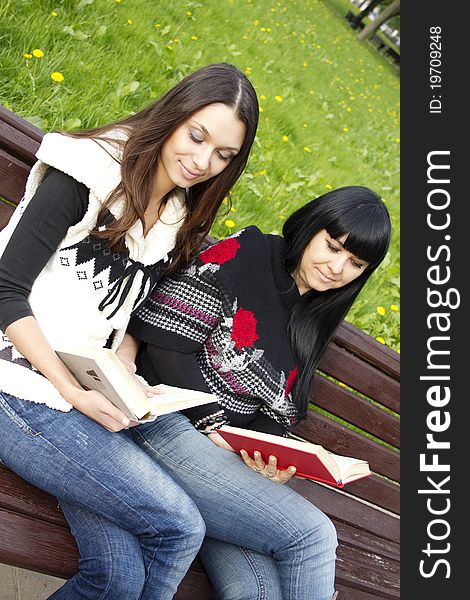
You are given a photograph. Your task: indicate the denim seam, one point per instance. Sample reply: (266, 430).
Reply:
(256, 572)
(14, 417)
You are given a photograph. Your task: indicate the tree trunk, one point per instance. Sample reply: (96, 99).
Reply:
(391, 10)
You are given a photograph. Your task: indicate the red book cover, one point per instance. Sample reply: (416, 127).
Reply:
(311, 460)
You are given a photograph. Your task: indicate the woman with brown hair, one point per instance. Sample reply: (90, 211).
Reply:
(106, 212)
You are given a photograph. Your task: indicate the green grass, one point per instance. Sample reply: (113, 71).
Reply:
(329, 105)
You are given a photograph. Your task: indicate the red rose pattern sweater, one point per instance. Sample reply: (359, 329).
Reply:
(229, 311)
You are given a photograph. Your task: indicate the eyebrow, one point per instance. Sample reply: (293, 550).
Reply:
(207, 133)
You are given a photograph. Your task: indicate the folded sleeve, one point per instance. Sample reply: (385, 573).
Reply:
(181, 312)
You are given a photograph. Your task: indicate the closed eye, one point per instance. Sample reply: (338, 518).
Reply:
(357, 265)
(333, 248)
(195, 137)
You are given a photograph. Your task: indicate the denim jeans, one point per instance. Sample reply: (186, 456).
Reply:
(136, 529)
(265, 541)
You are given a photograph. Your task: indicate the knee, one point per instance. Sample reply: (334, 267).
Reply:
(188, 525)
(321, 533)
(195, 529)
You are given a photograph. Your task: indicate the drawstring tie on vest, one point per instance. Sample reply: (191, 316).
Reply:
(124, 284)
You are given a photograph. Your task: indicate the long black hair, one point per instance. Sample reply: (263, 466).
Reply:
(359, 213)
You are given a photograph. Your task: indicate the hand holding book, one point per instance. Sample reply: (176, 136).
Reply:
(312, 461)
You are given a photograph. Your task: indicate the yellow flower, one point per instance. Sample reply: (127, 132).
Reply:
(349, 109)
(53, 13)
(381, 310)
(329, 186)
(27, 55)
(305, 125)
(278, 98)
(129, 21)
(262, 97)
(261, 109)
(380, 339)
(345, 129)
(230, 223)
(38, 53)
(233, 209)
(56, 76)
(397, 140)
(305, 63)
(248, 71)
(157, 25)
(194, 37)
(285, 138)
(307, 149)
(394, 307)
(189, 13)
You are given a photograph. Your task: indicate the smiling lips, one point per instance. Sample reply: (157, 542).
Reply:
(187, 173)
(325, 277)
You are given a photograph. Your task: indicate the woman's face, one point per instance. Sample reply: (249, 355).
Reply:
(201, 147)
(326, 264)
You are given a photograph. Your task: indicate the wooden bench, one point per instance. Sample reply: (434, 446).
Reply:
(34, 534)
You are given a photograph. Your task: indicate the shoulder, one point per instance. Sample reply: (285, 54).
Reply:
(241, 244)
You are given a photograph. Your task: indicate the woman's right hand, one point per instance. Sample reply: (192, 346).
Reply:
(95, 406)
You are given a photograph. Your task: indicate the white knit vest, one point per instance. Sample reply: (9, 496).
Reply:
(65, 302)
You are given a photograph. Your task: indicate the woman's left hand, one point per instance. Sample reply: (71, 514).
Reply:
(268, 469)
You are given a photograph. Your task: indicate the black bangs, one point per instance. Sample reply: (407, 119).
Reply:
(367, 228)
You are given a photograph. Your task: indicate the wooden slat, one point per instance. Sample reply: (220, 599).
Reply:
(341, 507)
(342, 403)
(18, 136)
(339, 439)
(365, 378)
(33, 544)
(13, 175)
(369, 349)
(349, 593)
(378, 491)
(18, 495)
(352, 536)
(17, 143)
(368, 572)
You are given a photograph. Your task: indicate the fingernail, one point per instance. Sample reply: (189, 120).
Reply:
(257, 454)
(271, 459)
(292, 469)
(125, 421)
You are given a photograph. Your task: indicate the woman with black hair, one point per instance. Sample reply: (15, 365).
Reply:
(249, 321)
(106, 212)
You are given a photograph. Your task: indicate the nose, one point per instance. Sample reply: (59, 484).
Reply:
(202, 159)
(337, 263)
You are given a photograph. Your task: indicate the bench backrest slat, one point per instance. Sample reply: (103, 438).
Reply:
(356, 410)
(361, 376)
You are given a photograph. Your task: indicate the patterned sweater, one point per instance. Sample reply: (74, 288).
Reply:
(231, 309)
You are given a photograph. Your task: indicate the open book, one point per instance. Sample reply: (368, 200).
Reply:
(101, 370)
(311, 460)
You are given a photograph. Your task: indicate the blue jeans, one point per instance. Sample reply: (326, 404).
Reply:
(136, 529)
(265, 541)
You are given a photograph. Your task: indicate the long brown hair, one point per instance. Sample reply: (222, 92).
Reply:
(148, 131)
